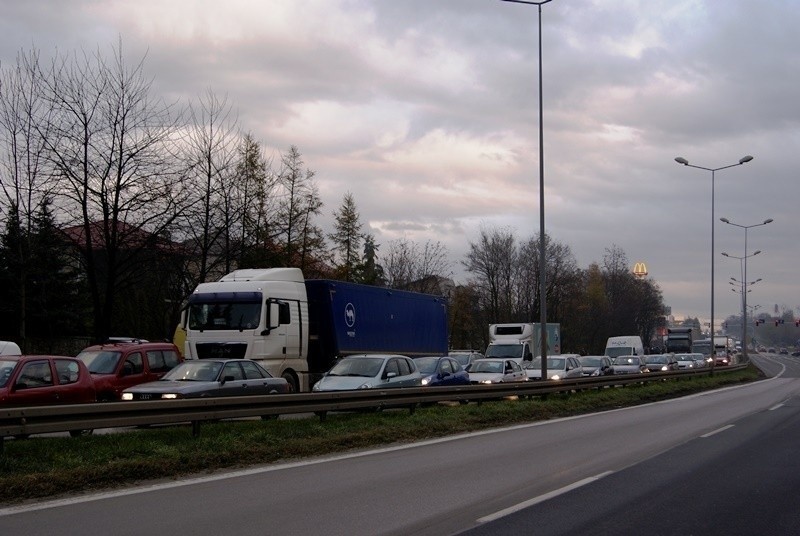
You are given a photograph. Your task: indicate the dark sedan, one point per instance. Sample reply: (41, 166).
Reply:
(661, 362)
(596, 365)
(441, 370)
(210, 378)
(629, 364)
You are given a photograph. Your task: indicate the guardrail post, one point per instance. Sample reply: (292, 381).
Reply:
(195, 428)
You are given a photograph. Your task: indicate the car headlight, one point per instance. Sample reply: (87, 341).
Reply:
(555, 377)
(365, 386)
(316, 386)
(426, 381)
(127, 396)
(595, 373)
(487, 381)
(665, 368)
(169, 396)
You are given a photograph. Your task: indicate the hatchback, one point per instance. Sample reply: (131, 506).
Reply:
(115, 366)
(370, 371)
(558, 367)
(441, 371)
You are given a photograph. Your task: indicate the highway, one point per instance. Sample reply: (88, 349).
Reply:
(709, 463)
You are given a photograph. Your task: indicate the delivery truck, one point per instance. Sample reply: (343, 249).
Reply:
(523, 341)
(297, 328)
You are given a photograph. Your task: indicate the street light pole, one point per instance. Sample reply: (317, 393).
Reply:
(744, 277)
(683, 161)
(542, 263)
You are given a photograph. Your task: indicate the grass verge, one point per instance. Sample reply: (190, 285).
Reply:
(46, 467)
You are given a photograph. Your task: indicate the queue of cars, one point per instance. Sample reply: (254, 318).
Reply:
(134, 369)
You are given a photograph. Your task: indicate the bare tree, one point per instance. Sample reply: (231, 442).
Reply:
(110, 144)
(492, 260)
(410, 266)
(24, 120)
(299, 202)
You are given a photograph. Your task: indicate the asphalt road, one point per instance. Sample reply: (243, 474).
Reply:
(619, 464)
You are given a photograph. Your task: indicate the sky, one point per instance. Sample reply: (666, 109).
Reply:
(428, 112)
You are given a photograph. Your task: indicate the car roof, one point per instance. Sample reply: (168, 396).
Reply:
(359, 356)
(140, 343)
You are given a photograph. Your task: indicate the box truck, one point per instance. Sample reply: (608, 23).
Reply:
(297, 328)
(522, 342)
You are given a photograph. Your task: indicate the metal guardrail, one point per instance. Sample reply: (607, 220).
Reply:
(24, 421)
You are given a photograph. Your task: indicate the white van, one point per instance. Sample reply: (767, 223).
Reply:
(9, 348)
(624, 345)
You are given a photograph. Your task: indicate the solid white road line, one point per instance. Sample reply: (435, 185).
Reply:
(718, 430)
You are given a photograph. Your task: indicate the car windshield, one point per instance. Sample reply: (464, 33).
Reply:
(369, 367)
(487, 366)
(626, 360)
(6, 370)
(616, 351)
(100, 361)
(657, 359)
(427, 365)
(552, 363)
(194, 371)
(591, 361)
(463, 359)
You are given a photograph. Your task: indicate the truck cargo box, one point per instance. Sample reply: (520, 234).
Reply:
(349, 318)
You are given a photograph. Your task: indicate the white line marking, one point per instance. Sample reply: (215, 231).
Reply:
(718, 430)
(776, 406)
(541, 498)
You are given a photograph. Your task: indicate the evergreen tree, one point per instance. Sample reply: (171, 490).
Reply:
(347, 239)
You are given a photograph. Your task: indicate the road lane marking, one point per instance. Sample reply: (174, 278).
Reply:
(776, 406)
(718, 430)
(541, 498)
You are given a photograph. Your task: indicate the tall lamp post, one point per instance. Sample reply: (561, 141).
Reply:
(542, 264)
(743, 283)
(683, 161)
(744, 276)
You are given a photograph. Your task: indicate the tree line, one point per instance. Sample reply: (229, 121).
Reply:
(116, 203)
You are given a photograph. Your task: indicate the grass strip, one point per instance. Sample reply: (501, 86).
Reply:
(42, 467)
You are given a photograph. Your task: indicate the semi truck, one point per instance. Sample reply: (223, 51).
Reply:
(679, 340)
(522, 342)
(297, 328)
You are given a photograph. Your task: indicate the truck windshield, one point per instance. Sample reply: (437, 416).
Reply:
(617, 351)
(512, 351)
(224, 316)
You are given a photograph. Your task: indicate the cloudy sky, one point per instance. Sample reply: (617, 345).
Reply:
(427, 111)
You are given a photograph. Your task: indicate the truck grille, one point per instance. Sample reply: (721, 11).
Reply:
(217, 350)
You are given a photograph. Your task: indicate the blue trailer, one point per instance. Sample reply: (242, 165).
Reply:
(298, 328)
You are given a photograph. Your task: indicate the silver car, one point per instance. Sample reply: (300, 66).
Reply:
(370, 371)
(496, 370)
(629, 364)
(558, 368)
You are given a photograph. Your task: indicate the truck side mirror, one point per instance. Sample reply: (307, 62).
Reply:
(273, 316)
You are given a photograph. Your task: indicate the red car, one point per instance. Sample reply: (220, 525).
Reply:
(35, 380)
(116, 366)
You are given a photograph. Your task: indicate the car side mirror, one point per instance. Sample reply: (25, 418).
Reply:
(390, 375)
(127, 369)
(226, 379)
(20, 385)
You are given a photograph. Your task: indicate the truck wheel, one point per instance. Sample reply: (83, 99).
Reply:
(291, 380)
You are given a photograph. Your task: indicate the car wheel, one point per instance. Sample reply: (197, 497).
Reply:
(291, 380)
(80, 433)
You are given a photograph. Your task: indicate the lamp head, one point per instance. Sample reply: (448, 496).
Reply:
(768, 221)
(724, 220)
(757, 252)
(682, 160)
(745, 159)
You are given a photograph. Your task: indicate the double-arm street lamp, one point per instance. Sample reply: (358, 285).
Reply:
(683, 161)
(542, 263)
(744, 274)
